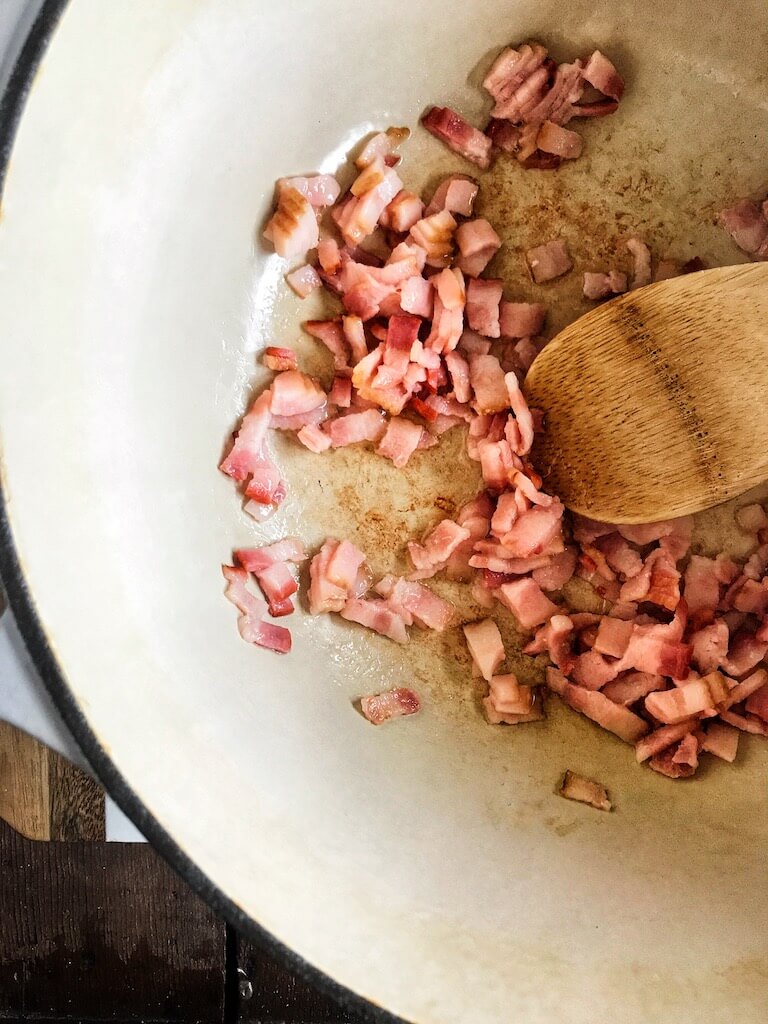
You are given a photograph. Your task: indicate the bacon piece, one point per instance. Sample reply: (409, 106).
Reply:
(521, 319)
(435, 235)
(294, 393)
(613, 717)
(667, 763)
(745, 689)
(252, 629)
(527, 602)
(641, 256)
(375, 615)
(600, 108)
(584, 791)
(620, 557)
(414, 602)
(702, 586)
(279, 359)
(548, 261)
(663, 738)
(460, 136)
(303, 280)
(658, 582)
(340, 394)
(630, 687)
(523, 416)
(246, 453)
(757, 703)
(508, 697)
(752, 518)
(358, 216)
(416, 297)
(745, 651)
(433, 555)
(674, 706)
(744, 723)
(266, 486)
(342, 567)
(478, 243)
(458, 370)
(278, 584)
(555, 637)
(557, 102)
(331, 334)
(558, 570)
(603, 76)
(293, 227)
(600, 286)
(485, 646)
(320, 189)
(534, 531)
(749, 596)
(381, 145)
(488, 384)
(710, 646)
(504, 135)
(447, 326)
(511, 68)
(494, 717)
(553, 138)
(357, 426)
(400, 440)
(255, 560)
(323, 594)
(403, 212)
(722, 741)
(747, 225)
(483, 298)
(456, 193)
(329, 255)
(613, 636)
(450, 289)
(395, 703)
(313, 438)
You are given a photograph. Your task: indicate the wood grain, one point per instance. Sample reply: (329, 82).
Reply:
(656, 403)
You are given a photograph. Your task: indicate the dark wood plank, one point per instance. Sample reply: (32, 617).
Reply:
(76, 802)
(104, 932)
(270, 994)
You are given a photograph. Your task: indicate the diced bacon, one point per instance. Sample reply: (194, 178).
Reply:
(403, 212)
(619, 555)
(523, 417)
(478, 243)
(485, 646)
(521, 319)
(668, 763)
(722, 741)
(749, 596)
(472, 343)
(534, 531)
(456, 194)
(294, 393)
(585, 791)
(279, 359)
(247, 450)
(353, 333)
(255, 560)
(557, 102)
(435, 235)
(710, 646)
(524, 97)
(591, 669)
(416, 296)
(600, 286)
(357, 426)
(613, 717)
(278, 584)
(313, 438)
(557, 572)
(746, 688)
(674, 706)
(658, 582)
(358, 217)
(329, 255)
(745, 651)
(303, 280)
(548, 261)
(504, 135)
(400, 440)
(630, 687)
(603, 76)
(432, 556)
(343, 566)
(331, 333)
(645, 533)
(252, 629)
(376, 615)
(460, 136)
(458, 370)
(382, 145)
(662, 739)
(641, 256)
(320, 189)
(752, 518)
(323, 594)
(395, 703)
(447, 327)
(553, 138)
(747, 225)
(600, 108)
(488, 384)
(494, 717)
(412, 601)
(745, 723)
(511, 68)
(702, 586)
(555, 638)
(508, 696)
(293, 227)
(613, 636)
(483, 298)
(340, 394)
(757, 703)
(450, 288)
(527, 602)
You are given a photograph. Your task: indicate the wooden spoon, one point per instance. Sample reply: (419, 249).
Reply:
(656, 403)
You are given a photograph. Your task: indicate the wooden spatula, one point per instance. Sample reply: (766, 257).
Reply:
(656, 403)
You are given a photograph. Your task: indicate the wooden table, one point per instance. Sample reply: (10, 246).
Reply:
(101, 931)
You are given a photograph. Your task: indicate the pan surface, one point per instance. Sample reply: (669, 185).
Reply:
(427, 866)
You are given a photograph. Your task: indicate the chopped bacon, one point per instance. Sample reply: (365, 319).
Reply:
(488, 384)
(414, 602)
(534, 531)
(674, 706)
(613, 717)
(745, 689)
(584, 791)
(603, 76)
(456, 194)
(293, 227)
(508, 696)
(745, 651)
(314, 438)
(483, 298)
(250, 622)
(458, 370)
(558, 570)
(702, 585)
(523, 417)
(527, 602)
(303, 280)
(460, 136)
(555, 638)
(279, 359)
(434, 234)
(433, 555)
(641, 256)
(600, 286)
(381, 145)
(553, 138)
(752, 518)
(613, 636)
(548, 261)
(294, 393)
(321, 189)
(395, 703)
(400, 440)
(747, 225)
(668, 763)
(478, 243)
(511, 68)
(247, 451)
(630, 687)
(757, 703)
(710, 646)
(376, 615)
(663, 738)
(403, 212)
(521, 319)
(746, 723)
(485, 646)
(290, 549)
(358, 216)
(329, 255)
(722, 741)
(357, 426)
(416, 296)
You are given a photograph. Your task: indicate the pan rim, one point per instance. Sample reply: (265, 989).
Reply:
(40, 651)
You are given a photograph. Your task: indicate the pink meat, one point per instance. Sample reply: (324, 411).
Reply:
(279, 359)
(432, 556)
(745, 651)
(747, 225)
(294, 393)
(521, 319)
(557, 103)
(400, 440)
(395, 703)
(414, 602)
(630, 687)
(527, 602)
(485, 646)
(382, 145)
(722, 741)
(340, 394)
(511, 68)
(555, 638)
(483, 298)
(641, 256)
(674, 706)
(293, 227)
(662, 739)
(416, 296)
(456, 194)
(710, 646)
(342, 567)
(252, 629)
(548, 261)
(558, 571)
(508, 696)
(745, 723)
(672, 763)
(255, 560)
(620, 557)
(534, 531)
(613, 717)
(746, 688)
(329, 255)
(478, 243)
(435, 235)
(247, 451)
(460, 136)
(601, 286)
(403, 212)
(321, 189)
(375, 615)
(447, 326)
(458, 371)
(278, 583)
(757, 703)
(613, 636)
(357, 426)
(585, 791)
(323, 594)
(358, 216)
(702, 585)
(353, 333)
(553, 138)
(450, 288)
(314, 438)
(488, 384)
(523, 417)
(750, 597)
(504, 135)
(603, 76)
(752, 518)
(303, 280)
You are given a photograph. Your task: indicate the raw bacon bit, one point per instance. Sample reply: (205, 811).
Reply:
(613, 717)
(613, 637)
(400, 440)
(456, 194)
(293, 228)
(376, 615)
(485, 646)
(321, 189)
(290, 549)
(757, 704)
(667, 764)
(414, 602)
(525, 599)
(710, 646)
(382, 145)
(744, 723)
(313, 438)
(295, 393)
(752, 518)
(340, 394)
(478, 243)
(416, 297)
(744, 690)
(600, 286)
(332, 336)
(329, 255)
(354, 335)
(548, 261)
(483, 298)
(557, 572)
(435, 234)
(632, 686)
(641, 255)
(521, 319)
(460, 136)
(674, 706)
(280, 359)
(405, 210)
(523, 416)
(488, 384)
(458, 370)
(508, 697)
(432, 556)
(450, 289)
(722, 741)
(553, 138)
(661, 739)
(603, 76)
(358, 216)
(247, 455)
(747, 225)
(598, 109)
(324, 595)
(504, 135)
(252, 629)
(511, 68)
(585, 791)
(303, 280)
(357, 426)
(395, 703)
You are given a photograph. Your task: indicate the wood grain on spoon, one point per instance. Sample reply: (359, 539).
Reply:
(657, 402)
